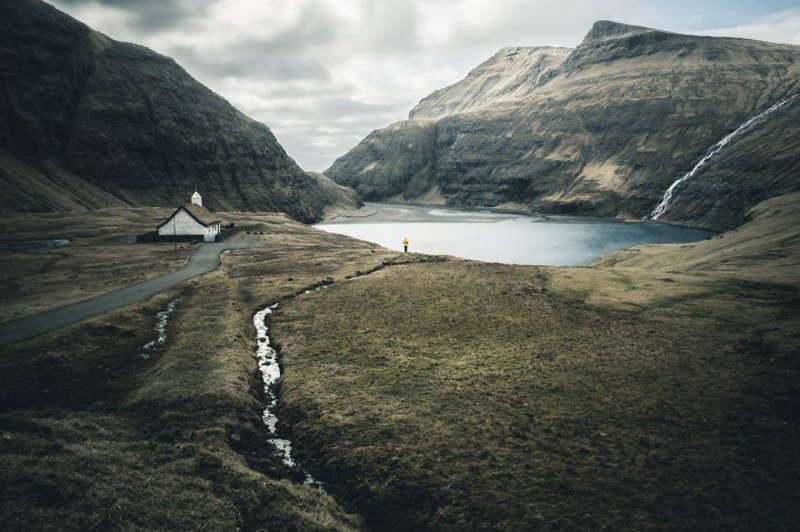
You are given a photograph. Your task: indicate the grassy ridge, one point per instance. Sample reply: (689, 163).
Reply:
(464, 395)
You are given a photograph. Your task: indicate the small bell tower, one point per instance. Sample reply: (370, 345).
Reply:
(197, 199)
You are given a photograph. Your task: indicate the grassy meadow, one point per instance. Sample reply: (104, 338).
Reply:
(462, 395)
(100, 257)
(95, 436)
(427, 393)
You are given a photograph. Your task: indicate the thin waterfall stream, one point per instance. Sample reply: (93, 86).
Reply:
(664, 205)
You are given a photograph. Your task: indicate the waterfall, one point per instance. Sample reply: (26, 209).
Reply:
(662, 207)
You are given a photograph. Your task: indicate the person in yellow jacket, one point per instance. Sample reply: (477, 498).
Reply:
(405, 245)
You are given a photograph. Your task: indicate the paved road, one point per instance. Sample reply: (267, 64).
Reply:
(204, 260)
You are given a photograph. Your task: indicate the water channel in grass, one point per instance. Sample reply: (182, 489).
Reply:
(503, 237)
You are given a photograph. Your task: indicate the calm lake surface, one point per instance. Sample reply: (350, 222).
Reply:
(506, 238)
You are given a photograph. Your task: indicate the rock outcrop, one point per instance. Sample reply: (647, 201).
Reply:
(86, 121)
(601, 130)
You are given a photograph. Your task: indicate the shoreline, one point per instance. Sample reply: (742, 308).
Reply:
(363, 212)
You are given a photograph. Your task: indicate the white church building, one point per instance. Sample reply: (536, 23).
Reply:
(191, 220)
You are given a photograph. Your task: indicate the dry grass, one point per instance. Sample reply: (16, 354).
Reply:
(463, 395)
(94, 436)
(766, 248)
(429, 394)
(101, 257)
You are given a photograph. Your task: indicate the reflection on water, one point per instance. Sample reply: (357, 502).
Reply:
(505, 238)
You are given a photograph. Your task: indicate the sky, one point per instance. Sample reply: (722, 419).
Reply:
(323, 74)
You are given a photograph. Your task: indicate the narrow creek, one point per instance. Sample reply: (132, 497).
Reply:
(270, 369)
(268, 365)
(160, 328)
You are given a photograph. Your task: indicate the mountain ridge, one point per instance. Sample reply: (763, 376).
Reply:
(535, 64)
(96, 122)
(603, 132)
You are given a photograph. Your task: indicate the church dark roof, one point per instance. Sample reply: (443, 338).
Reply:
(195, 211)
(199, 213)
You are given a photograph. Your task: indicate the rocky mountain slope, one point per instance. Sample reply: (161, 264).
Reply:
(603, 129)
(86, 122)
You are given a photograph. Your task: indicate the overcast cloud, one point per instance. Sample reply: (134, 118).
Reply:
(322, 74)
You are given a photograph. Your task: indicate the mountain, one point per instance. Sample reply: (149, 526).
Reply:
(603, 129)
(87, 122)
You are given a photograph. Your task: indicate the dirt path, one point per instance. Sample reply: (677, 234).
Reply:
(204, 260)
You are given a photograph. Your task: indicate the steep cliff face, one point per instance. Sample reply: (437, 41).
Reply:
(761, 163)
(602, 130)
(400, 159)
(86, 121)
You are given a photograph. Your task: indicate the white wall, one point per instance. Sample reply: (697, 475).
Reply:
(182, 224)
(211, 232)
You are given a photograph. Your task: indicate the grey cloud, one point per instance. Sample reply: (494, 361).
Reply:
(317, 132)
(287, 68)
(300, 147)
(529, 26)
(307, 91)
(315, 26)
(152, 15)
(330, 108)
(693, 15)
(315, 148)
(331, 111)
(391, 26)
(254, 60)
(288, 55)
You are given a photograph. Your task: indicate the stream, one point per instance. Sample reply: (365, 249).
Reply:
(268, 365)
(270, 370)
(160, 328)
(271, 374)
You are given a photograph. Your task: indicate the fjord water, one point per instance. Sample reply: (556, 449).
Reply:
(501, 237)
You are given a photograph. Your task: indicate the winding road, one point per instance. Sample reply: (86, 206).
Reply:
(204, 260)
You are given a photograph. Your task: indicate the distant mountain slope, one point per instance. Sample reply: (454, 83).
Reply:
(511, 74)
(601, 130)
(86, 121)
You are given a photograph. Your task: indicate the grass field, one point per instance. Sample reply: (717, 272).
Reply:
(465, 395)
(94, 436)
(426, 392)
(99, 258)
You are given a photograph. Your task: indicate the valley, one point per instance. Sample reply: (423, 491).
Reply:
(612, 396)
(93, 122)
(654, 388)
